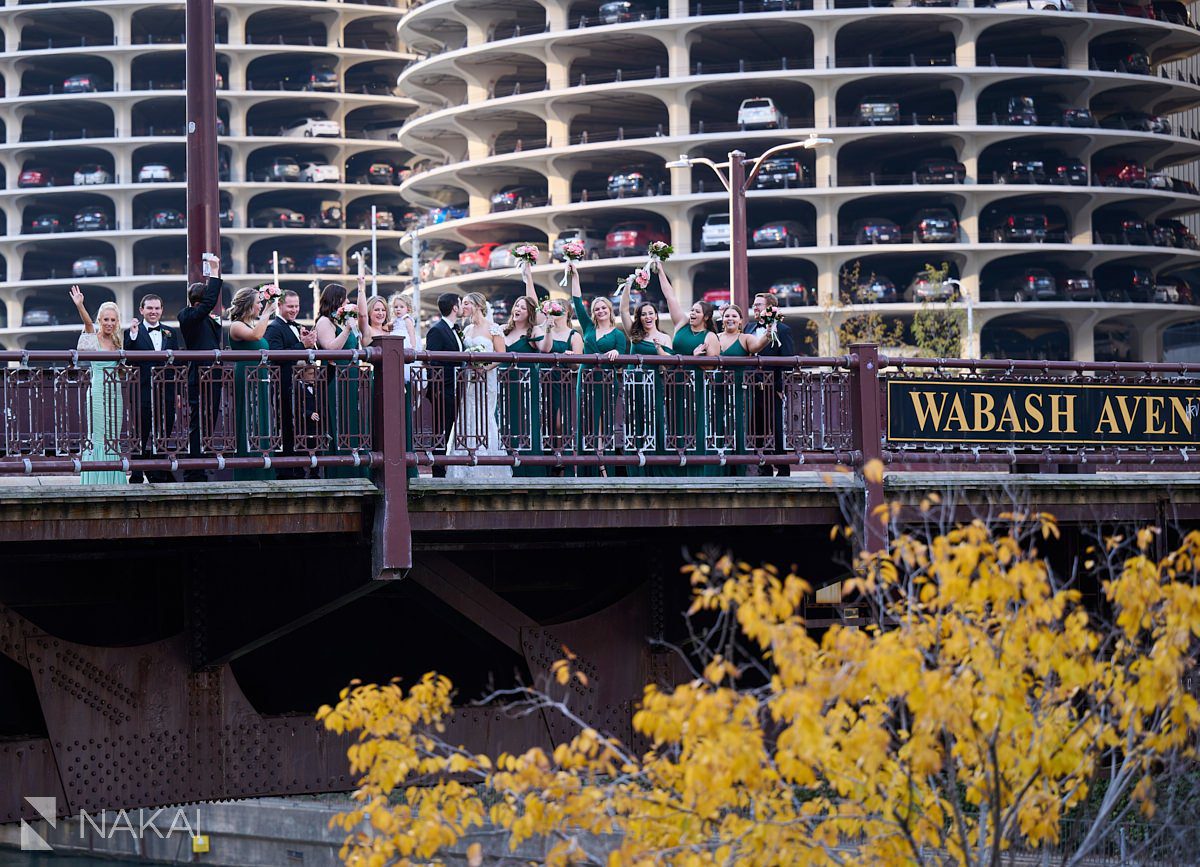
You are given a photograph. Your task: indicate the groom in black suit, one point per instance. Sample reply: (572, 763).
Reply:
(445, 336)
(285, 332)
(150, 335)
(201, 331)
(768, 404)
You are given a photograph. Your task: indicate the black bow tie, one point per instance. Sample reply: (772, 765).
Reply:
(154, 328)
(293, 324)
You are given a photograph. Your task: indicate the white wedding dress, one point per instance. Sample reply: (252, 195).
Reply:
(478, 417)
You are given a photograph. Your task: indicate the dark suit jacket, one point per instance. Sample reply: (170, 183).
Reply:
(441, 339)
(170, 340)
(786, 347)
(200, 332)
(280, 335)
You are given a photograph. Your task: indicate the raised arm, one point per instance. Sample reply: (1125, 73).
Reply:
(756, 343)
(679, 314)
(77, 298)
(242, 331)
(581, 311)
(626, 318)
(364, 319)
(539, 317)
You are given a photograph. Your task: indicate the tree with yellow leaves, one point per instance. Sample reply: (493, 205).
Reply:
(982, 707)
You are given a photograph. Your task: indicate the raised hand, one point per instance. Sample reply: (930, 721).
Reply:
(133, 328)
(76, 296)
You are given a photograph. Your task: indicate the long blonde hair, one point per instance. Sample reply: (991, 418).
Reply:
(481, 303)
(118, 340)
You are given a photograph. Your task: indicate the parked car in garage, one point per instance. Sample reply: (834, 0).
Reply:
(875, 230)
(1137, 121)
(385, 220)
(1122, 173)
(166, 218)
(759, 113)
(1181, 235)
(1078, 117)
(90, 266)
(516, 196)
(1124, 283)
(326, 263)
(38, 318)
(377, 172)
(714, 234)
(84, 82)
(1020, 227)
(1170, 290)
(266, 265)
(633, 238)
(782, 233)
(620, 11)
(92, 219)
(92, 173)
(1023, 170)
(940, 171)
(503, 257)
(922, 288)
(874, 289)
(934, 226)
(155, 173)
(876, 110)
(1026, 284)
(792, 293)
(1076, 285)
(1070, 172)
(313, 126)
(476, 258)
(592, 241)
(36, 177)
(327, 216)
(319, 172)
(322, 78)
(635, 181)
(782, 172)
(279, 168)
(46, 223)
(1020, 111)
(279, 218)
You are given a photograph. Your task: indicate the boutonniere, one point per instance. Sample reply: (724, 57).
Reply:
(166, 332)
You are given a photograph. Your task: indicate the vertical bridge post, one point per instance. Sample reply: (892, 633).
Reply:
(200, 63)
(391, 548)
(866, 417)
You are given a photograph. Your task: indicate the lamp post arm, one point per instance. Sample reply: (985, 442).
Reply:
(770, 152)
(719, 169)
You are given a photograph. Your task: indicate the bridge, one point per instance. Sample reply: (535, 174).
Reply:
(170, 642)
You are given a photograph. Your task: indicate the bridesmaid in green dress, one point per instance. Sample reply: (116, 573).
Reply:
(600, 337)
(734, 343)
(330, 335)
(524, 333)
(107, 339)
(560, 339)
(248, 321)
(645, 405)
(697, 337)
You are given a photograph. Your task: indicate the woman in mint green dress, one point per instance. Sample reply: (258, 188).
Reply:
(601, 336)
(331, 335)
(645, 417)
(727, 384)
(101, 429)
(558, 395)
(248, 321)
(698, 336)
(523, 333)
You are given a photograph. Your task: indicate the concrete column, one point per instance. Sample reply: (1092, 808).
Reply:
(123, 28)
(556, 15)
(968, 221)
(681, 229)
(1149, 342)
(827, 285)
(1083, 339)
(14, 307)
(123, 204)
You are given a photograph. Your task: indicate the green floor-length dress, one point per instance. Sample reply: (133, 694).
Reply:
(684, 343)
(351, 410)
(596, 419)
(245, 448)
(515, 411)
(647, 409)
(731, 380)
(564, 409)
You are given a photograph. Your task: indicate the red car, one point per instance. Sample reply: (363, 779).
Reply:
(1122, 173)
(716, 297)
(633, 238)
(35, 178)
(476, 259)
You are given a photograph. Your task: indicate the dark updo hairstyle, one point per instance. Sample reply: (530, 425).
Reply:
(706, 311)
(333, 296)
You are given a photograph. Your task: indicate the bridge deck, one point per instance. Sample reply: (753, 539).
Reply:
(50, 509)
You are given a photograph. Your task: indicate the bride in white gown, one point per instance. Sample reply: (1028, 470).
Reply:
(477, 422)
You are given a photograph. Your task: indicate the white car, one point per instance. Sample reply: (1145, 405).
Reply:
(387, 132)
(759, 113)
(319, 173)
(313, 127)
(92, 173)
(155, 172)
(715, 234)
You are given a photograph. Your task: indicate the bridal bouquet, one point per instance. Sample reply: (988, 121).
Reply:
(660, 251)
(572, 251)
(553, 308)
(477, 347)
(770, 319)
(270, 293)
(346, 315)
(639, 278)
(526, 254)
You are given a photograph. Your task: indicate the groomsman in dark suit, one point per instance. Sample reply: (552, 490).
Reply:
(150, 335)
(768, 404)
(445, 336)
(284, 332)
(201, 331)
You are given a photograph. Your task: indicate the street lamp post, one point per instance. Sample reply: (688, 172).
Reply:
(734, 178)
(203, 221)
